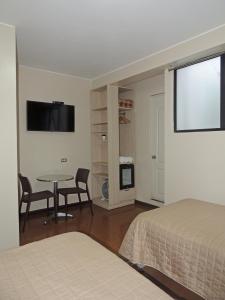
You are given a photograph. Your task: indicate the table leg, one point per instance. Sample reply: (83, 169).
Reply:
(56, 204)
(56, 200)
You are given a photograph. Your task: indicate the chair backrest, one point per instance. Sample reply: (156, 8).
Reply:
(25, 183)
(82, 176)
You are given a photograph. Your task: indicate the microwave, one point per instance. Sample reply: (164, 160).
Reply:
(126, 176)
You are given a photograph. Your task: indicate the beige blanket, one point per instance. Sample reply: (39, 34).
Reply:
(71, 266)
(185, 241)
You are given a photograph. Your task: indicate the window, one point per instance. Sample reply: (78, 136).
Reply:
(199, 96)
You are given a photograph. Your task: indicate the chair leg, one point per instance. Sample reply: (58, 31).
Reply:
(26, 215)
(20, 207)
(80, 203)
(90, 202)
(66, 205)
(47, 206)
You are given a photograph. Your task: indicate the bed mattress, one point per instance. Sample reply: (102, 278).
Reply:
(185, 241)
(71, 266)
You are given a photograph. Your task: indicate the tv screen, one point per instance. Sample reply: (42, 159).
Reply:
(44, 116)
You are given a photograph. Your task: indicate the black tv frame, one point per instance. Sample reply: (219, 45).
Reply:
(71, 123)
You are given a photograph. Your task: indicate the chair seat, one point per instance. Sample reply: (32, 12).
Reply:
(38, 196)
(73, 190)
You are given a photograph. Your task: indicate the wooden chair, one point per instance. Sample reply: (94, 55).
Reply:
(28, 196)
(81, 177)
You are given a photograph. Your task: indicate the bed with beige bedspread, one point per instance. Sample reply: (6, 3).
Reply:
(71, 266)
(185, 241)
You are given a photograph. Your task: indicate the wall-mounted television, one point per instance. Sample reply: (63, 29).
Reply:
(55, 116)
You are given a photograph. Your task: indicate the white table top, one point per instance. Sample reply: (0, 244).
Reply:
(55, 177)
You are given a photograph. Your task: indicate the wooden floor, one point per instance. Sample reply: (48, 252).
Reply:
(108, 228)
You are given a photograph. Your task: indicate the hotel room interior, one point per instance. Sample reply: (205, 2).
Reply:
(113, 149)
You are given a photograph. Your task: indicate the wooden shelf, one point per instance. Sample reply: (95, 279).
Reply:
(100, 163)
(99, 132)
(100, 123)
(100, 109)
(100, 174)
(125, 123)
(125, 108)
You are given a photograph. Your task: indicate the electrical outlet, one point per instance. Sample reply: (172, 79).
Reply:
(63, 160)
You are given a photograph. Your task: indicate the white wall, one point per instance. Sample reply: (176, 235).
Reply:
(9, 229)
(195, 161)
(204, 44)
(41, 152)
(142, 95)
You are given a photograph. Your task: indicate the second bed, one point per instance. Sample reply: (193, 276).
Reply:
(185, 241)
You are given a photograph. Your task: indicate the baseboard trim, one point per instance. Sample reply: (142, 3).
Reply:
(149, 205)
(156, 202)
(37, 211)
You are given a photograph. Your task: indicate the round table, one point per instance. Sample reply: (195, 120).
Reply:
(56, 178)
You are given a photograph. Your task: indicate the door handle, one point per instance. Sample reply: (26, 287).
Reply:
(153, 156)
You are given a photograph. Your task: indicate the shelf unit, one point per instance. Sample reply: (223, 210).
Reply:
(99, 127)
(127, 131)
(105, 144)
(127, 139)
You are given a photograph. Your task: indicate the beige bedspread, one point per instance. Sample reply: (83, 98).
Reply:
(184, 240)
(71, 266)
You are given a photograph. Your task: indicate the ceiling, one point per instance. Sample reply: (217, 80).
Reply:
(88, 38)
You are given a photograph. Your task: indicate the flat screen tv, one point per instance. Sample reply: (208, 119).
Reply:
(44, 116)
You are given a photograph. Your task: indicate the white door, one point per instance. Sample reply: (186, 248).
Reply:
(157, 146)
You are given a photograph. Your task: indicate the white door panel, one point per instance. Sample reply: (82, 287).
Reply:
(157, 146)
